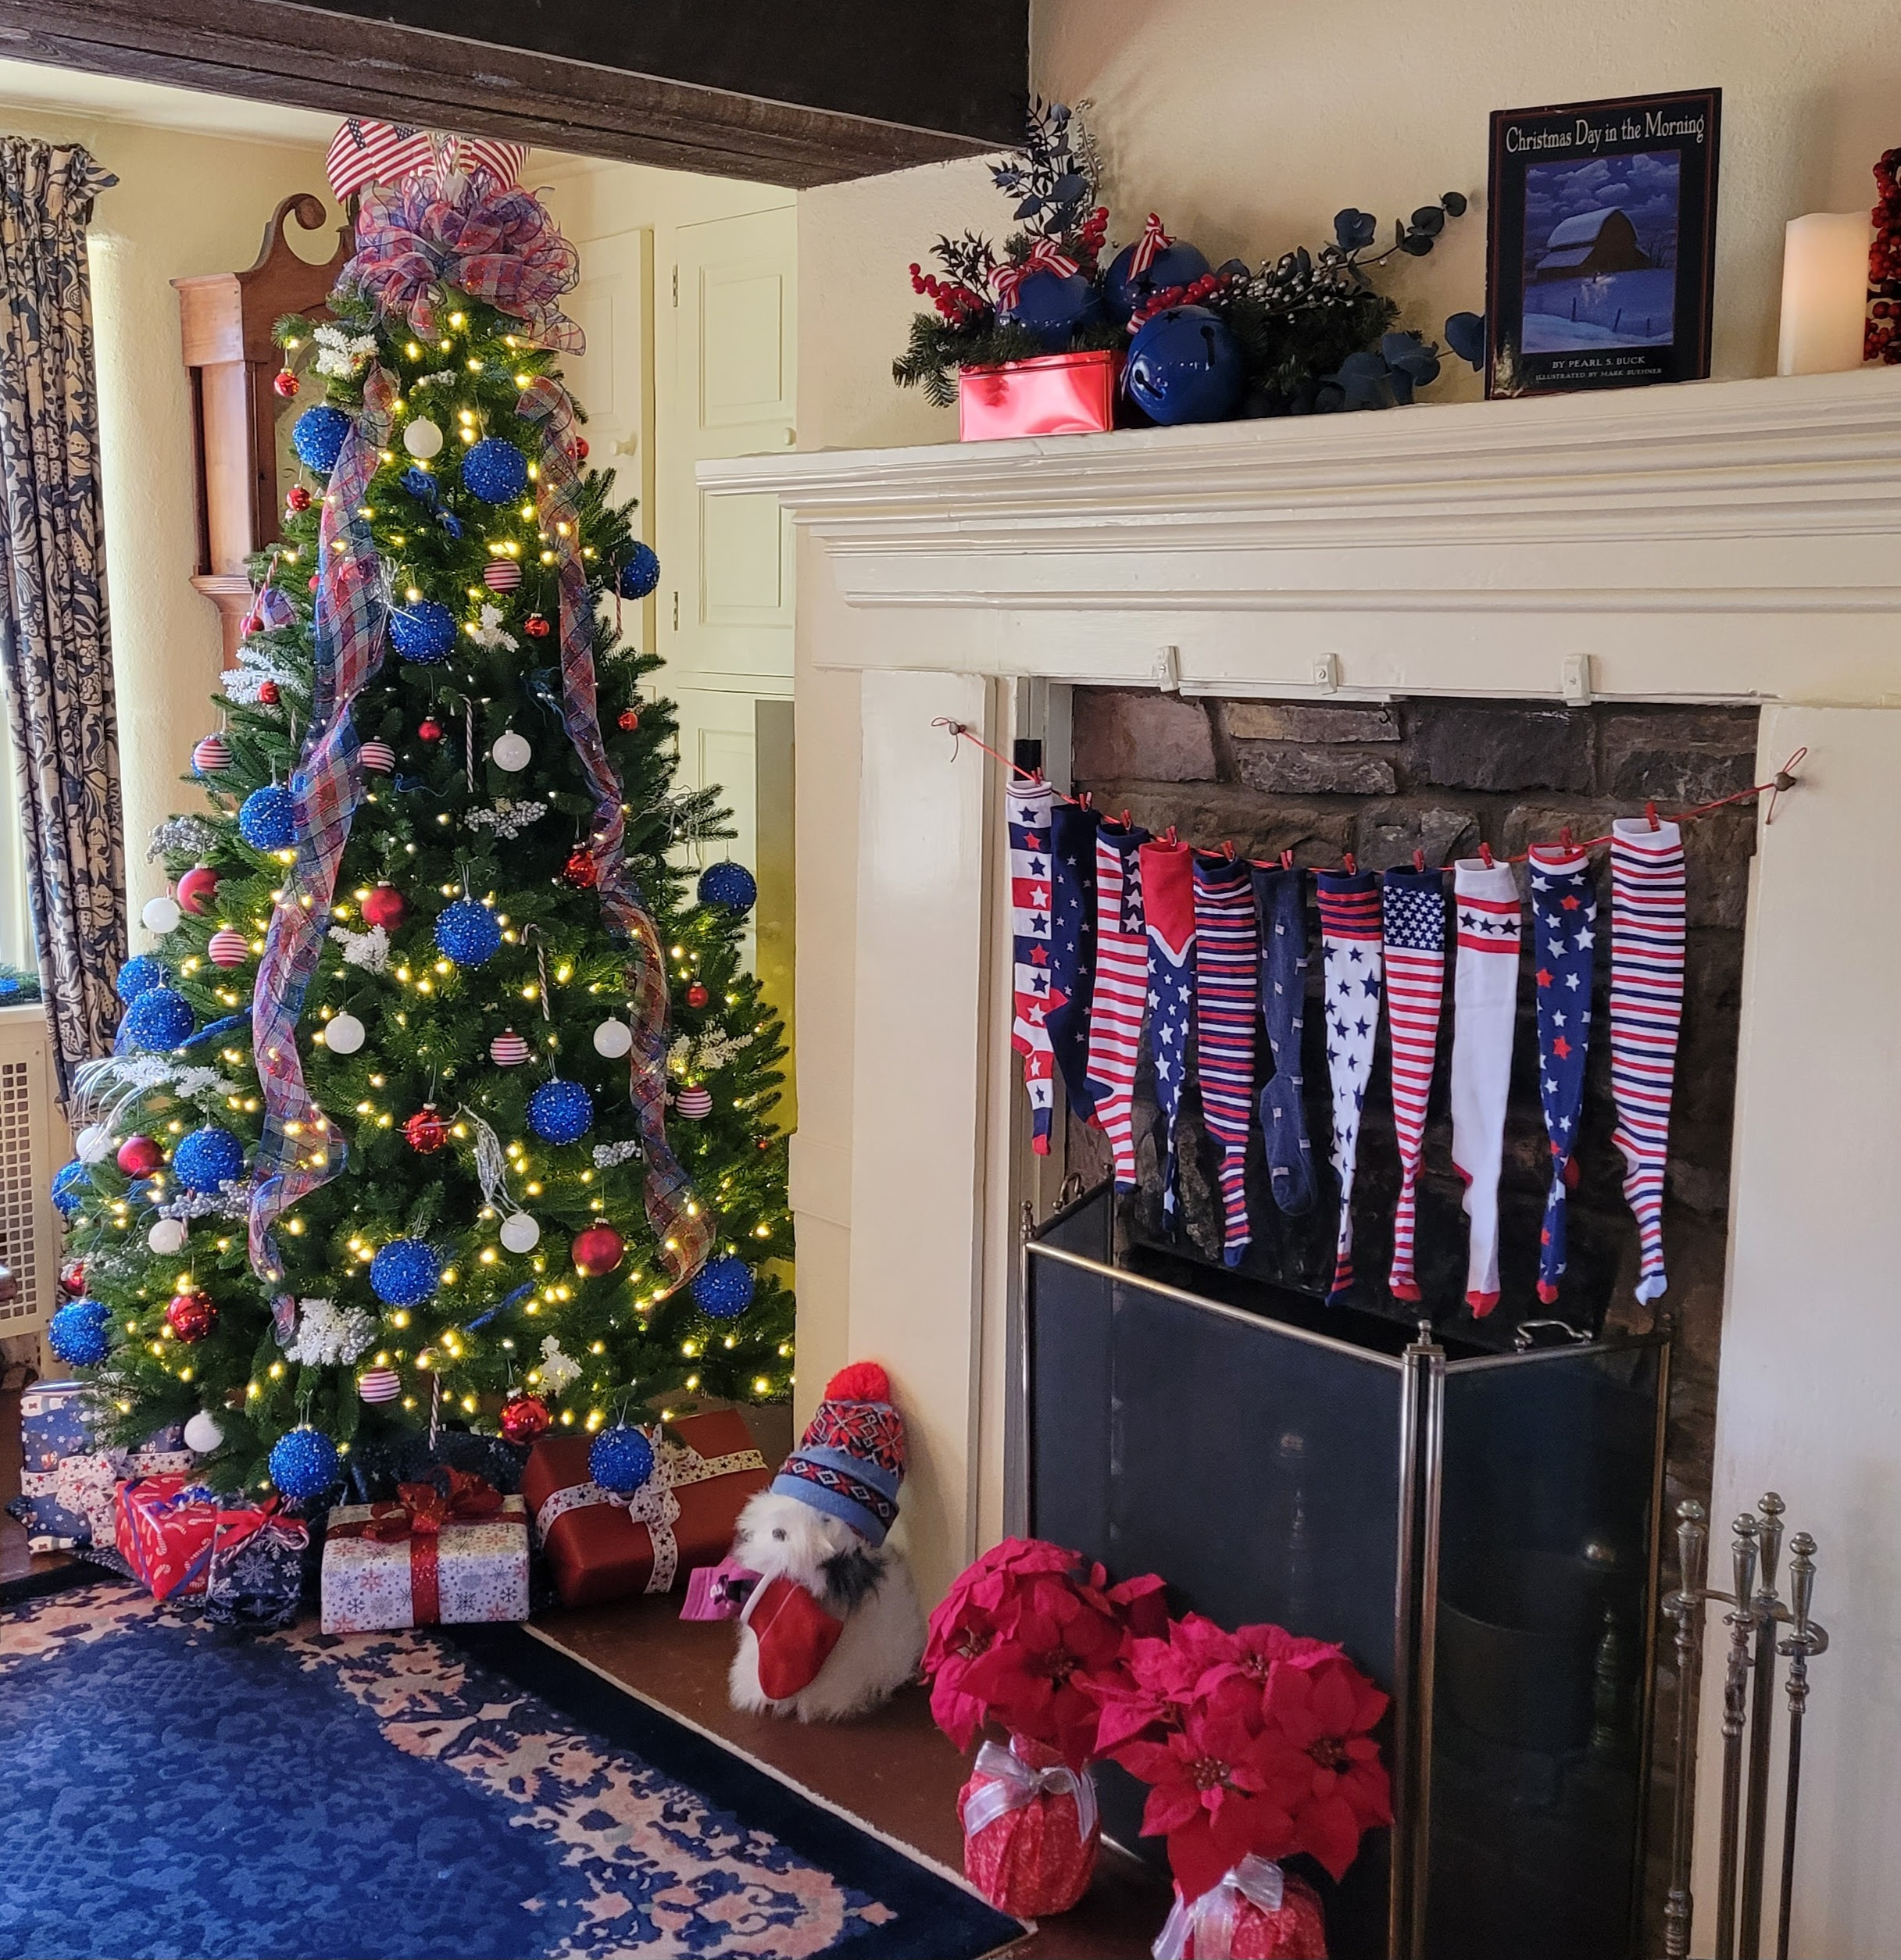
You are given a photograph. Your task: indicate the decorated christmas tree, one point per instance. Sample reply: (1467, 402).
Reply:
(444, 1094)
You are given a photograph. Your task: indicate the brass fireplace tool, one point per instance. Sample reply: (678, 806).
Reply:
(1761, 1626)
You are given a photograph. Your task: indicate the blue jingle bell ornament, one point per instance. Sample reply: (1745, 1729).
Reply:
(1053, 305)
(1185, 365)
(1170, 265)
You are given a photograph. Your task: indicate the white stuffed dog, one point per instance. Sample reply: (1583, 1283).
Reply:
(833, 1626)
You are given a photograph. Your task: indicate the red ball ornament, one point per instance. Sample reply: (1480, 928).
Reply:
(139, 1156)
(630, 719)
(285, 382)
(580, 872)
(524, 1418)
(697, 995)
(190, 1316)
(598, 1250)
(386, 907)
(298, 497)
(426, 1131)
(268, 693)
(536, 626)
(429, 730)
(251, 622)
(72, 1277)
(578, 449)
(762, 1143)
(197, 888)
(313, 581)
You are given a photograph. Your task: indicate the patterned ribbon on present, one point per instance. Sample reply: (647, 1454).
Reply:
(419, 1514)
(420, 240)
(682, 1226)
(1015, 1785)
(301, 1148)
(1210, 1922)
(1045, 255)
(1153, 239)
(654, 1504)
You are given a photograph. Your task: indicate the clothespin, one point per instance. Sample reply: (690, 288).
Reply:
(1168, 836)
(1352, 863)
(1484, 852)
(1419, 858)
(1650, 816)
(1227, 849)
(1287, 860)
(1564, 838)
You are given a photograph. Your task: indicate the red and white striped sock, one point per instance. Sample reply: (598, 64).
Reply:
(1228, 955)
(1486, 916)
(1120, 999)
(1349, 902)
(1414, 904)
(1026, 814)
(1648, 910)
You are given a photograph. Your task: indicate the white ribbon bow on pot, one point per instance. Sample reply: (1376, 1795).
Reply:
(1210, 1919)
(1015, 1785)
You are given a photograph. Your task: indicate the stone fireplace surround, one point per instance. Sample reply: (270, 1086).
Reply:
(1734, 543)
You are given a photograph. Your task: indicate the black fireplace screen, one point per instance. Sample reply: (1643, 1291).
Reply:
(1478, 1530)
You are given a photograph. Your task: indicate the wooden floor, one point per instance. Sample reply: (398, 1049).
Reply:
(893, 1769)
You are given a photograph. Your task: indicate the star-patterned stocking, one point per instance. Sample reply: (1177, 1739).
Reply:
(1486, 912)
(1026, 811)
(1563, 952)
(1350, 948)
(1280, 900)
(1119, 1001)
(1413, 904)
(1072, 948)
(1168, 905)
(1226, 980)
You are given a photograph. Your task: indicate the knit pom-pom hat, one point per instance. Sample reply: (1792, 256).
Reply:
(850, 1461)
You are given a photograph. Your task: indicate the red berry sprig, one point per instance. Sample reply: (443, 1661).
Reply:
(1881, 335)
(1194, 294)
(957, 304)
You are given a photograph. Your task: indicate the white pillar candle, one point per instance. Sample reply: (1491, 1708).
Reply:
(1825, 292)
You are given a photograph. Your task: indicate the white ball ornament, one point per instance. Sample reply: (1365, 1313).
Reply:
(92, 1143)
(423, 439)
(511, 752)
(519, 1233)
(161, 914)
(168, 1236)
(613, 1039)
(343, 1034)
(202, 1433)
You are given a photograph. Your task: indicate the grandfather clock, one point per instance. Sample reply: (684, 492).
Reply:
(240, 426)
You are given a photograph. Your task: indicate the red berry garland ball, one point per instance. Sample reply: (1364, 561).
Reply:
(697, 995)
(536, 626)
(426, 1131)
(385, 907)
(630, 719)
(298, 497)
(580, 872)
(524, 1418)
(267, 693)
(429, 730)
(598, 1250)
(190, 1316)
(285, 382)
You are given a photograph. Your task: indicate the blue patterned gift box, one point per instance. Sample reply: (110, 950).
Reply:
(54, 1427)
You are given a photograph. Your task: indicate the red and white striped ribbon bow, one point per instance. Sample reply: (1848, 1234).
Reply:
(1153, 239)
(1209, 1921)
(1045, 255)
(1014, 1784)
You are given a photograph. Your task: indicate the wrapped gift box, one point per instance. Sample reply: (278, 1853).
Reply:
(167, 1528)
(1051, 394)
(601, 1546)
(445, 1554)
(67, 1481)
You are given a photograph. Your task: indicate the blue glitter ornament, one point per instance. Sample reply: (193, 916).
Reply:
(560, 1112)
(1185, 366)
(71, 1182)
(405, 1272)
(139, 974)
(160, 1018)
(424, 631)
(1053, 305)
(468, 932)
(729, 885)
(621, 1459)
(267, 819)
(81, 1333)
(208, 1158)
(723, 1288)
(304, 1464)
(1124, 289)
(317, 436)
(639, 574)
(495, 471)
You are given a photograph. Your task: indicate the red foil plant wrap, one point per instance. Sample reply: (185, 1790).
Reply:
(1881, 335)
(1012, 1646)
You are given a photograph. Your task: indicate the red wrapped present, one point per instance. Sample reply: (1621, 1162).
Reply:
(1031, 1831)
(604, 1546)
(1050, 394)
(443, 1555)
(166, 1527)
(1257, 1912)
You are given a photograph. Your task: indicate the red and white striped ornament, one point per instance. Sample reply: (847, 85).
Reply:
(694, 1102)
(379, 1384)
(228, 946)
(378, 756)
(211, 754)
(507, 1050)
(501, 575)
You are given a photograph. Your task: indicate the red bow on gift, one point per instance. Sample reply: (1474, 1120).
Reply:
(422, 1509)
(1044, 256)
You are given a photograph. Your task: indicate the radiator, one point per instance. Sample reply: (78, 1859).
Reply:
(33, 1143)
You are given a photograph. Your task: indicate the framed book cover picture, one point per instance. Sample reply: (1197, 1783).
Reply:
(1601, 243)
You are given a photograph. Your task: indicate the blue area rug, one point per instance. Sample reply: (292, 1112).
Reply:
(170, 1793)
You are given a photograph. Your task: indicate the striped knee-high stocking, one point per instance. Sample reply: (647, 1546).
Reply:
(1350, 950)
(1280, 900)
(1648, 913)
(1227, 982)
(1413, 910)
(1072, 947)
(1485, 916)
(1026, 811)
(1118, 1002)
(1168, 906)
(1565, 957)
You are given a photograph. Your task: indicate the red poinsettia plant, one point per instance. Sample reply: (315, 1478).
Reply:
(1258, 1740)
(1034, 1640)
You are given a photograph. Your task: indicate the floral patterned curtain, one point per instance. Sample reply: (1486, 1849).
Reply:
(53, 644)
